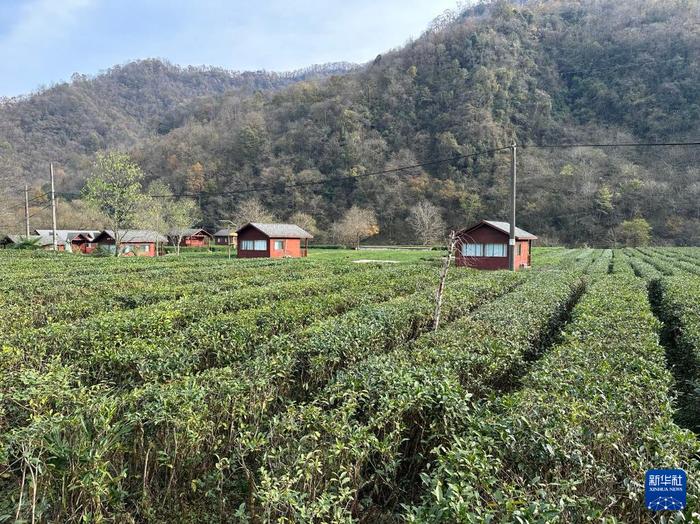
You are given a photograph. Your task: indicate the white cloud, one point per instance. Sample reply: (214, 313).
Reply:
(41, 23)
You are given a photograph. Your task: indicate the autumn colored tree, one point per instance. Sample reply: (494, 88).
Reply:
(195, 178)
(356, 225)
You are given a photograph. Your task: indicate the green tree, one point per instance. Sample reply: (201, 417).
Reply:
(30, 243)
(635, 232)
(603, 201)
(115, 190)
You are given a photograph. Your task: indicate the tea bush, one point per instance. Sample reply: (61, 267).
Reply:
(574, 443)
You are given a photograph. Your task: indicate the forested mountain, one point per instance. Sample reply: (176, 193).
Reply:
(546, 72)
(69, 122)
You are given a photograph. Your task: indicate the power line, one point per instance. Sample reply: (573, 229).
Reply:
(327, 180)
(31, 200)
(281, 187)
(7, 226)
(627, 144)
(396, 169)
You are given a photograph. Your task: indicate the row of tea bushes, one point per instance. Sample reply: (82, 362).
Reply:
(621, 265)
(687, 263)
(222, 339)
(574, 443)
(642, 268)
(678, 306)
(154, 323)
(359, 446)
(601, 262)
(186, 445)
(28, 305)
(669, 260)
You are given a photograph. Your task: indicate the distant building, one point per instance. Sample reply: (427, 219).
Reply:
(272, 241)
(225, 237)
(82, 243)
(190, 238)
(71, 240)
(485, 246)
(134, 242)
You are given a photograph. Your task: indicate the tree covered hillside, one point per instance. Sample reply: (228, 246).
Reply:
(544, 72)
(548, 72)
(69, 122)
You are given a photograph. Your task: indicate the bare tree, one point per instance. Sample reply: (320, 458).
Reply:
(304, 221)
(252, 211)
(180, 216)
(427, 223)
(356, 224)
(152, 212)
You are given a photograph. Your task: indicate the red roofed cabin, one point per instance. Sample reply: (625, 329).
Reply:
(272, 241)
(485, 246)
(190, 238)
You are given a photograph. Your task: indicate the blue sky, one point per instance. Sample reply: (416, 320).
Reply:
(45, 41)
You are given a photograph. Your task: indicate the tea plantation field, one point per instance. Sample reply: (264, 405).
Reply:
(198, 389)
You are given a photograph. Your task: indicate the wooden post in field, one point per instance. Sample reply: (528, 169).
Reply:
(53, 209)
(452, 242)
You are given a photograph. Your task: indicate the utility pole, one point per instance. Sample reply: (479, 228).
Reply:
(53, 209)
(26, 209)
(511, 239)
(229, 237)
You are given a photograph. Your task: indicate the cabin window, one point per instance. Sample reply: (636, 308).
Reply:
(473, 250)
(496, 250)
(254, 245)
(520, 249)
(279, 245)
(144, 248)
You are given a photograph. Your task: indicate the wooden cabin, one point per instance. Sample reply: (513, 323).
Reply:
(190, 238)
(134, 242)
(225, 237)
(256, 240)
(82, 243)
(485, 246)
(72, 240)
